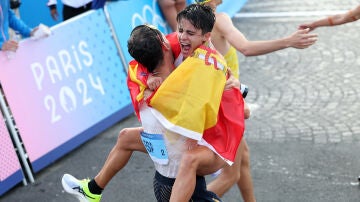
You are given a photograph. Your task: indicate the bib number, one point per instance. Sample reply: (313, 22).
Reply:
(156, 148)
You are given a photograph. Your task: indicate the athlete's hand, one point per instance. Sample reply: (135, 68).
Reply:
(154, 82)
(232, 82)
(246, 110)
(190, 143)
(302, 39)
(147, 94)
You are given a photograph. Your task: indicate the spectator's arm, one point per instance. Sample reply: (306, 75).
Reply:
(53, 10)
(338, 19)
(18, 25)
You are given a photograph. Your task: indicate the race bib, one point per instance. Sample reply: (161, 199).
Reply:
(156, 148)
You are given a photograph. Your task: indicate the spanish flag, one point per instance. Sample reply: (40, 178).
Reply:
(136, 81)
(138, 75)
(192, 102)
(226, 135)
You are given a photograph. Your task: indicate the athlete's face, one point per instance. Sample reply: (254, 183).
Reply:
(190, 38)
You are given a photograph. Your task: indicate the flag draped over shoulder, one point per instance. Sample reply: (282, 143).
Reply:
(136, 81)
(193, 103)
(187, 102)
(138, 74)
(226, 135)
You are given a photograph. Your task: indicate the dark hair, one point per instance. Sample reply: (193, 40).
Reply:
(14, 4)
(200, 16)
(145, 46)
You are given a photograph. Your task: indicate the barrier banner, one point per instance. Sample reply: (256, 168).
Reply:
(136, 13)
(230, 7)
(66, 88)
(10, 169)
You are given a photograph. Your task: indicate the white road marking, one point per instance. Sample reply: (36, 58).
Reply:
(287, 14)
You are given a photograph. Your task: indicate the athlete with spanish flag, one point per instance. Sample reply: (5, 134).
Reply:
(194, 31)
(188, 102)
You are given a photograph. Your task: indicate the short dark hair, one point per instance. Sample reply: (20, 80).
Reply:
(201, 16)
(145, 46)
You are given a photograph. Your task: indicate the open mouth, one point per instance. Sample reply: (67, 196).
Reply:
(185, 49)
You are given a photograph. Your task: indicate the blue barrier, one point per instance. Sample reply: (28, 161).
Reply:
(74, 87)
(231, 7)
(136, 13)
(36, 12)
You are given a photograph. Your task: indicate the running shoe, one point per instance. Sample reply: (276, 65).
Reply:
(79, 188)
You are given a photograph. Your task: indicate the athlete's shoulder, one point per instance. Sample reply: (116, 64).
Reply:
(135, 64)
(223, 19)
(137, 71)
(174, 43)
(172, 36)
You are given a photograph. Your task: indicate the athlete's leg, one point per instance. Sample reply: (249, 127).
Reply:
(197, 161)
(229, 174)
(238, 173)
(129, 140)
(245, 183)
(163, 186)
(90, 190)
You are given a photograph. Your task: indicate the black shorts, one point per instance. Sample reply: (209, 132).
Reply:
(163, 186)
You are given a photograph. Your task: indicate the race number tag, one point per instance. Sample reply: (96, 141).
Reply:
(155, 146)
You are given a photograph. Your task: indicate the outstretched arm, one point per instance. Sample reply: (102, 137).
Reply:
(339, 19)
(299, 39)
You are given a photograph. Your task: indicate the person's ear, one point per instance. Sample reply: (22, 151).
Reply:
(207, 36)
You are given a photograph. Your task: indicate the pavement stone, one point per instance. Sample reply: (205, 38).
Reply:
(304, 131)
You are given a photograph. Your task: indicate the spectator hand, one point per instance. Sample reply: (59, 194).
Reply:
(302, 39)
(306, 26)
(10, 45)
(33, 31)
(54, 14)
(40, 32)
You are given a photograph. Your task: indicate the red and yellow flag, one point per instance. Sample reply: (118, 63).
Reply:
(192, 101)
(136, 81)
(187, 102)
